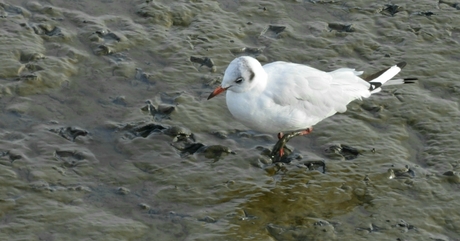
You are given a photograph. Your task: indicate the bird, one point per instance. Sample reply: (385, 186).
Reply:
(284, 97)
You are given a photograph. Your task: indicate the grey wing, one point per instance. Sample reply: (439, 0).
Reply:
(312, 94)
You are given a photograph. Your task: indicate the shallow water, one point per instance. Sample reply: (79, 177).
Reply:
(76, 75)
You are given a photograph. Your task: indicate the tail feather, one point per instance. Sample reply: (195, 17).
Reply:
(400, 81)
(383, 77)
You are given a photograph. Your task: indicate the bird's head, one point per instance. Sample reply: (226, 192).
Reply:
(240, 76)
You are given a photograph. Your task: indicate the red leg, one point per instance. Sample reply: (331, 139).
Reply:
(306, 132)
(281, 152)
(278, 150)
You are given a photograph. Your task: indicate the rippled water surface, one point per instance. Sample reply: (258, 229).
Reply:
(106, 133)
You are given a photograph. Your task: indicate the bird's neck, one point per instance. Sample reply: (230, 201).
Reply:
(260, 80)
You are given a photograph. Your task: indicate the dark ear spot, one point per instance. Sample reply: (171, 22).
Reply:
(251, 75)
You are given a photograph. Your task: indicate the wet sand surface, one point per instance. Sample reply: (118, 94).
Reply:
(106, 133)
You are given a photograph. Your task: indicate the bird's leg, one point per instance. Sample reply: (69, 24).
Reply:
(278, 149)
(280, 136)
(306, 131)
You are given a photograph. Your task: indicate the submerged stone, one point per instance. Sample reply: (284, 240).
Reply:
(70, 158)
(123, 191)
(144, 206)
(102, 50)
(190, 148)
(161, 112)
(452, 177)
(146, 129)
(341, 27)
(316, 165)
(206, 61)
(401, 173)
(70, 133)
(392, 9)
(273, 31)
(248, 51)
(345, 151)
(216, 151)
(207, 219)
(143, 76)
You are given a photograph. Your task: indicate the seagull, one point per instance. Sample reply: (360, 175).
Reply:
(283, 97)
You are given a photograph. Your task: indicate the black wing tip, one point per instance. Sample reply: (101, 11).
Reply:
(410, 80)
(401, 64)
(374, 85)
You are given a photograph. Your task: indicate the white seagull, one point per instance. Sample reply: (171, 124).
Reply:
(287, 97)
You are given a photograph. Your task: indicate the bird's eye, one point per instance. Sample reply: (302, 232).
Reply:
(239, 80)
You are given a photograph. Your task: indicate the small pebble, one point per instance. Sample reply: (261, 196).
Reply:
(123, 191)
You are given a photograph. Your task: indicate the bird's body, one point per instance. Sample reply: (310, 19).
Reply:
(287, 97)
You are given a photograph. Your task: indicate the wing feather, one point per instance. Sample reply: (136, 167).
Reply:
(305, 93)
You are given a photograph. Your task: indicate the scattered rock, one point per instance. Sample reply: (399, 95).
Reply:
(277, 29)
(248, 51)
(180, 134)
(12, 9)
(108, 36)
(123, 191)
(207, 219)
(315, 165)
(13, 157)
(47, 29)
(142, 76)
(120, 100)
(70, 158)
(455, 5)
(341, 27)
(372, 108)
(273, 31)
(402, 173)
(160, 112)
(144, 206)
(146, 129)
(452, 177)
(345, 151)
(372, 228)
(70, 133)
(28, 77)
(404, 226)
(392, 9)
(183, 140)
(216, 152)
(188, 148)
(204, 61)
(427, 14)
(41, 186)
(102, 50)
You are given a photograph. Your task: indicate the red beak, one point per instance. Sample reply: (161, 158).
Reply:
(217, 91)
